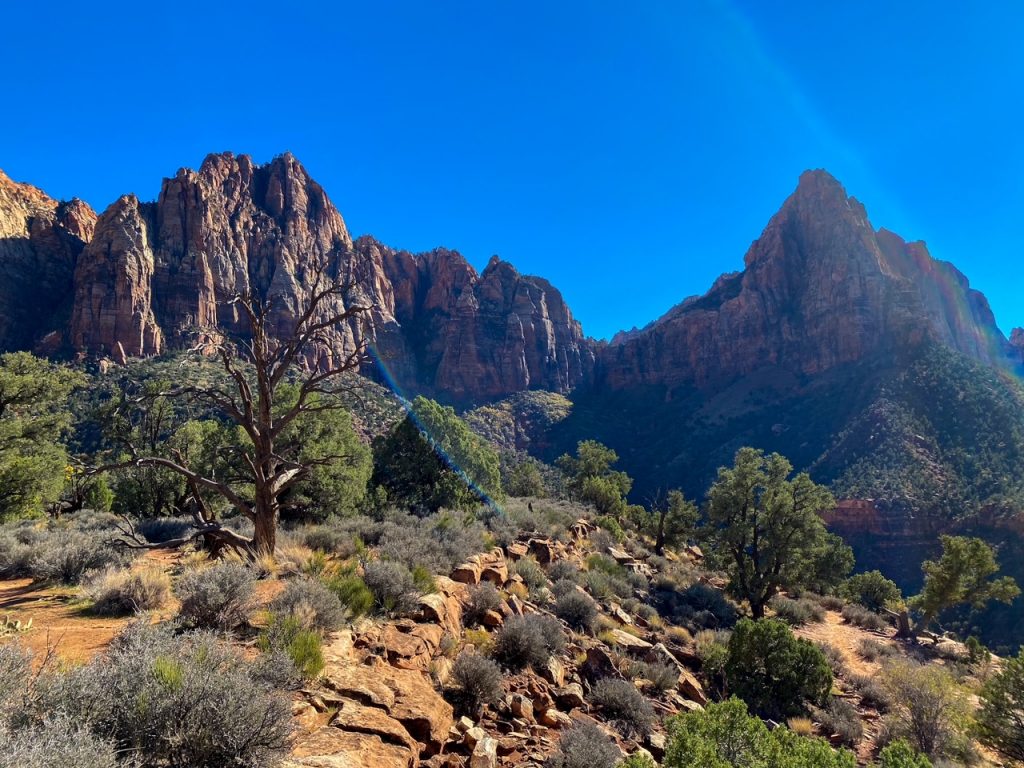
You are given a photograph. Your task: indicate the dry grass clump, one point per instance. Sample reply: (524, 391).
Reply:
(117, 592)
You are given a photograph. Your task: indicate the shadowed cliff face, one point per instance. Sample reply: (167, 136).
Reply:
(40, 240)
(820, 288)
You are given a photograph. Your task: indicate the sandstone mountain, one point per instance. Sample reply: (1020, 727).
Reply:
(152, 272)
(820, 288)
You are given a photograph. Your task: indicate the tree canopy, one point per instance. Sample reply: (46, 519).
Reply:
(591, 479)
(724, 735)
(34, 417)
(767, 528)
(431, 460)
(962, 576)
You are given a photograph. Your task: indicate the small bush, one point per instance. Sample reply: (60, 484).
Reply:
(121, 592)
(872, 693)
(872, 650)
(475, 681)
(480, 639)
(928, 708)
(840, 717)
(482, 598)
(438, 542)
(291, 635)
(796, 613)
(58, 742)
(563, 587)
(774, 672)
(275, 669)
(584, 746)
(862, 617)
(664, 677)
(610, 524)
(66, 556)
(530, 572)
(15, 557)
(311, 603)
(563, 569)
(527, 641)
(871, 590)
(174, 701)
(220, 597)
(802, 726)
(605, 564)
(393, 587)
(157, 530)
(15, 672)
(577, 610)
(699, 606)
(622, 704)
(356, 598)
(900, 754)
(834, 657)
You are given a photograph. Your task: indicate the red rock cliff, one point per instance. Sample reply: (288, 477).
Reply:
(821, 287)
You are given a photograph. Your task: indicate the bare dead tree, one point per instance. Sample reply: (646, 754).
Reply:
(257, 365)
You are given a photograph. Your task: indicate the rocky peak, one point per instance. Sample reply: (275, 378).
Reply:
(820, 288)
(40, 239)
(153, 272)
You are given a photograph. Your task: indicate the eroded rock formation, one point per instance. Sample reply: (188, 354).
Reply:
(820, 288)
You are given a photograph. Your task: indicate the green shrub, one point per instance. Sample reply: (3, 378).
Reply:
(610, 524)
(311, 603)
(475, 682)
(120, 592)
(173, 701)
(871, 590)
(624, 706)
(724, 735)
(355, 596)
(796, 613)
(481, 599)
(222, 596)
(699, 606)
(527, 641)
(1000, 722)
(577, 610)
(900, 754)
(290, 634)
(584, 745)
(774, 672)
(393, 587)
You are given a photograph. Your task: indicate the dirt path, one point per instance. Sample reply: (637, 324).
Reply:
(60, 622)
(846, 638)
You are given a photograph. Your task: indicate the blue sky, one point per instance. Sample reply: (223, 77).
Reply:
(629, 152)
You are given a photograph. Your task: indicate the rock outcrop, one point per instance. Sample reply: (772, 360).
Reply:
(153, 273)
(479, 337)
(40, 240)
(820, 288)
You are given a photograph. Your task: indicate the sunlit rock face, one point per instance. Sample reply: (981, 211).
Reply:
(820, 288)
(141, 278)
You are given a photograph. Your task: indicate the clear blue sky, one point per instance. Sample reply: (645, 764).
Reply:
(629, 152)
